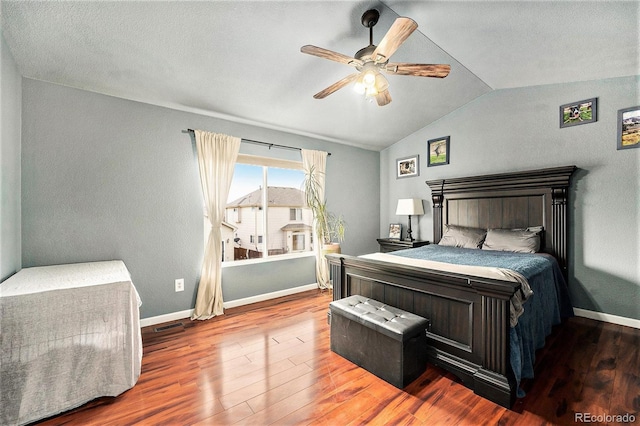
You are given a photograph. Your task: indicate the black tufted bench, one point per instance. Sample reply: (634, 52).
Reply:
(384, 340)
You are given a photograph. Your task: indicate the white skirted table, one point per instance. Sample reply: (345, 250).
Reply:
(69, 334)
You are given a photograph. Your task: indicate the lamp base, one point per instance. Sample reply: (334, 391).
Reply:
(409, 237)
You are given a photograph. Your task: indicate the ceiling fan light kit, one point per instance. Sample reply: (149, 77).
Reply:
(370, 82)
(372, 61)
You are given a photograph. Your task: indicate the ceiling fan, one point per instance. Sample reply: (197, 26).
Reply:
(372, 61)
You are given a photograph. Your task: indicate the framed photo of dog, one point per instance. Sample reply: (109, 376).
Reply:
(580, 112)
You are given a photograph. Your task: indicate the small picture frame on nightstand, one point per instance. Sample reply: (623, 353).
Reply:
(395, 231)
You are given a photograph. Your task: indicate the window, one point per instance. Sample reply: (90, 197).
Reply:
(252, 239)
(295, 214)
(266, 215)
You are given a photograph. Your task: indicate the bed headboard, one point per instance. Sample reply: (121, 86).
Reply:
(507, 200)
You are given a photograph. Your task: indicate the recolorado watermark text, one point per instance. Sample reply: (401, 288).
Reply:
(604, 418)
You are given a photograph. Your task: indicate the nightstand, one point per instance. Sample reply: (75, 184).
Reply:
(387, 245)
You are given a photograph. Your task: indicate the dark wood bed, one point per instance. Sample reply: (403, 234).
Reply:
(469, 325)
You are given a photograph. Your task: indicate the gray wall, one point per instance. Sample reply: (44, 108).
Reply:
(518, 129)
(107, 178)
(10, 205)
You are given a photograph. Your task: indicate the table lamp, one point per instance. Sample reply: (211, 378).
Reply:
(410, 207)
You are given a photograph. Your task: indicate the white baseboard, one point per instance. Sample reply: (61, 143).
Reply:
(232, 304)
(579, 312)
(174, 316)
(268, 296)
(601, 316)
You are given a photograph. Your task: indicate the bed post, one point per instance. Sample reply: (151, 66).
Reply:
(338, 281)
(559, 218)
(437, 196)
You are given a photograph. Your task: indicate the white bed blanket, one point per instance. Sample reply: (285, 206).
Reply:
(69, 334)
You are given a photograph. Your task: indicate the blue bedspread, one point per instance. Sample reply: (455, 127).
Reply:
(544, 309)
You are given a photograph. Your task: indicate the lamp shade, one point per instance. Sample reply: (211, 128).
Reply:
(409, 206)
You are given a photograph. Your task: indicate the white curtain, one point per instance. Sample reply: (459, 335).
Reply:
(317, 161)
(217, 154)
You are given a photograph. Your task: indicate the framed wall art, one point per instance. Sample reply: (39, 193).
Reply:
(629, 128)
(581, 112)
(438, 151)
(408, 167)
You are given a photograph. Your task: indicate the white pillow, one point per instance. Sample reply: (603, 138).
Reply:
(462, 236)
(515, 240)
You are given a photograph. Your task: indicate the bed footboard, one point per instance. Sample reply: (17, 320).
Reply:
(468, 333)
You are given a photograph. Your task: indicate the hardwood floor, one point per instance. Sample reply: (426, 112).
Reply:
(270, 363)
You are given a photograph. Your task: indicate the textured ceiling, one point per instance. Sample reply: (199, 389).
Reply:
(241, 60)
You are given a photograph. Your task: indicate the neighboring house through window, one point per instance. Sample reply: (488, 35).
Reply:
(266, 215)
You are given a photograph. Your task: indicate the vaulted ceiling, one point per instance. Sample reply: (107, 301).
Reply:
(241, 60)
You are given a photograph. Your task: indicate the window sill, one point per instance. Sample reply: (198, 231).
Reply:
(268, 259)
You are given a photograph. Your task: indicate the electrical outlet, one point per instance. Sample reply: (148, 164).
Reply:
(180, 284)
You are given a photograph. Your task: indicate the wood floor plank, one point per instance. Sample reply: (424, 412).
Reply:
(267, 387)
(271, 364)
(341, 388)
(230, 416)
(349, 410)
(388, 410)
(569, 378)
(625, 397)
(598, 383)
(553, 360)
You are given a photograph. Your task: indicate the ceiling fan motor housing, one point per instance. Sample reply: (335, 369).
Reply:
(365, 53)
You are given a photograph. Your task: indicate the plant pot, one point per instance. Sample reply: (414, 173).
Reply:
(332, 248)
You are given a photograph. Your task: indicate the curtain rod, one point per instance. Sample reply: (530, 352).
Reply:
(270, 145)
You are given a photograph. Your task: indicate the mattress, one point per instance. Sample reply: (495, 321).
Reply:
(70, 334)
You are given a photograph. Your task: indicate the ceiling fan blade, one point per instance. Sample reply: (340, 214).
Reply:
(383, 98)
(420, 70)
(335, 86)
(330, 54)
(397, 34)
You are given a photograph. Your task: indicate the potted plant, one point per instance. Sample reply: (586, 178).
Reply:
(328, 226)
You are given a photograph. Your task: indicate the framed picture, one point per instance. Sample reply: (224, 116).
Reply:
(581, 112)
(629, 128)
(438, 150)
(408, 167)
(395, 231)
